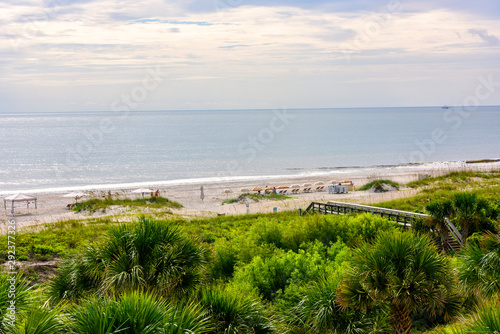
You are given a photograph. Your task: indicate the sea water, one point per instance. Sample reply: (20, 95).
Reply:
(77, 150)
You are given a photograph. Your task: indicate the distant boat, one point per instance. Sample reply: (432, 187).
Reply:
(445, 107)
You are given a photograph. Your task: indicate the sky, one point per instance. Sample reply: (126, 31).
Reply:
(108, 55)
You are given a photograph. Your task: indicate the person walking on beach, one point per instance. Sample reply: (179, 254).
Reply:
(202, 195)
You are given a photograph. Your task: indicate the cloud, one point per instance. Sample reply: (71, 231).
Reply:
(247, 48)
(146, 21)
(483, 34)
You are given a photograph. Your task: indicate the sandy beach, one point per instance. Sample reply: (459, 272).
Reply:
(52, 206)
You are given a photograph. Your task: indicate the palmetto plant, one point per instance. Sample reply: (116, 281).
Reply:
(485, 320)
(401, 270)
(439, 211)
(137, 312)
(469, 210)
(13, 288)
(148, 254)
(235, 313)
(40, 319)
(479, 266)
(319, 312)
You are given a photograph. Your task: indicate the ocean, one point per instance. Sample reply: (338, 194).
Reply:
(81, 150)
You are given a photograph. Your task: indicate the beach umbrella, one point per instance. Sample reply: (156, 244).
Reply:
(295, 186)
(269, 188)
(283, 187)
(319, 183)
(75, 194)
(256, 189)
(346, 181)
(227, 192)
(142, 191)
(307, 185)
(244, 190)
(334, 182)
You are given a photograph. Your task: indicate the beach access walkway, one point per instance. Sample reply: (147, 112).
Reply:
(405, 218)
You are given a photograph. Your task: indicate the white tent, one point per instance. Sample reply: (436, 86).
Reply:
(19, 198)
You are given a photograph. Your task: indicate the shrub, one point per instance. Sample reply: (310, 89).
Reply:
(148, 254)
(271, 276)
(235, 313)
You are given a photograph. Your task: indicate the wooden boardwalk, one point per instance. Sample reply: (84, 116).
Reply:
(404, 218)
(340, 208)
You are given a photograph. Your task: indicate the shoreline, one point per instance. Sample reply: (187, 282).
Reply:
(52, 206)
(320, 172)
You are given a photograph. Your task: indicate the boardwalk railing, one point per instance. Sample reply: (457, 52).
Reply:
(402, 217)
(454, 232)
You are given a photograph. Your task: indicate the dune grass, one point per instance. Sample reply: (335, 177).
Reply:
(55, 240)
(256, 198)
(378, 185)
(102, 204)
(485, 184)
(457, 179)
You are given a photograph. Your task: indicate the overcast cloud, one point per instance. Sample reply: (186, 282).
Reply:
(78, 55)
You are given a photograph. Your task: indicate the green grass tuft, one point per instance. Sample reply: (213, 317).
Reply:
(378, 185)
(255, 198)
(102, 204)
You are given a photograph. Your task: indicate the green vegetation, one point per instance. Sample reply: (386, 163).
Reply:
(55, 240)
(255, 197)
(380, 185)
(268, 273)
(404, 272)
(149, 255)
(486, 185)
(457, 180)
(95, 204)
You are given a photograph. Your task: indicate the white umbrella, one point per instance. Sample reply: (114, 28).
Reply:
(142, 191)
(307, 185)
(319, 183)
(227, 192)
(295, 186)
(334, 182)
(244, 190)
